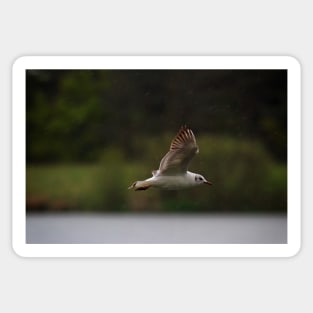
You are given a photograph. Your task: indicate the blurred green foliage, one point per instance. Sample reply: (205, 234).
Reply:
(66, 128)
(79, 112)
(245, 178)
(91, 133)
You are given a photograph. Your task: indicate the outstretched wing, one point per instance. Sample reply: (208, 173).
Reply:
(183, 148)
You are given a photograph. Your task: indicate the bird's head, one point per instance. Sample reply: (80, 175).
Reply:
(199, 179)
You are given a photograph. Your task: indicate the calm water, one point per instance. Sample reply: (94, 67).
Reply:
(102, 228)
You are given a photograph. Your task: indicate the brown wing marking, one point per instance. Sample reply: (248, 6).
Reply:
(182, 149)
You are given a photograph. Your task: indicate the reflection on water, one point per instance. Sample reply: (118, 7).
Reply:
(152, 228)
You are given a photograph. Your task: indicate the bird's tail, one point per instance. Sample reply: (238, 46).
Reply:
(140, 185)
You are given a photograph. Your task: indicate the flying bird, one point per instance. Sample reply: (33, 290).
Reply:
(173, 171)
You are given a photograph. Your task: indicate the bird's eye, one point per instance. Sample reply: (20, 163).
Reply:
(200, 178)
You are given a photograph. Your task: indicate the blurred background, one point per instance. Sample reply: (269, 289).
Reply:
(92, 133)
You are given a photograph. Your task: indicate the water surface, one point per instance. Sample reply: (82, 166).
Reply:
(153, 228)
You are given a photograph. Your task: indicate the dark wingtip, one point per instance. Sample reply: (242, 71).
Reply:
(132, 185)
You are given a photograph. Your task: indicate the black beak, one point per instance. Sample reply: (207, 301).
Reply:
(208, 183)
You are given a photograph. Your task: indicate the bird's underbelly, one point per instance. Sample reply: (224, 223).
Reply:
(172, 182)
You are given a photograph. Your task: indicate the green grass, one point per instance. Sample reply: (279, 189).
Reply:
(71, 185)
(80, 187)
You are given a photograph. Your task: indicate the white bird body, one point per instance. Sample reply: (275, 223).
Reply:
(173, 172)
(171, 182)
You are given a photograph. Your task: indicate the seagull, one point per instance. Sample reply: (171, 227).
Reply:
(173, 171)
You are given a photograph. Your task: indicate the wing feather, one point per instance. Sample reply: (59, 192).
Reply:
(182, 149)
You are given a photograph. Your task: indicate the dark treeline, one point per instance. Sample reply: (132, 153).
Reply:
(72, 115)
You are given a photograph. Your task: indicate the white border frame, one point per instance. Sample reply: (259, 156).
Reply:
(156, 250)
